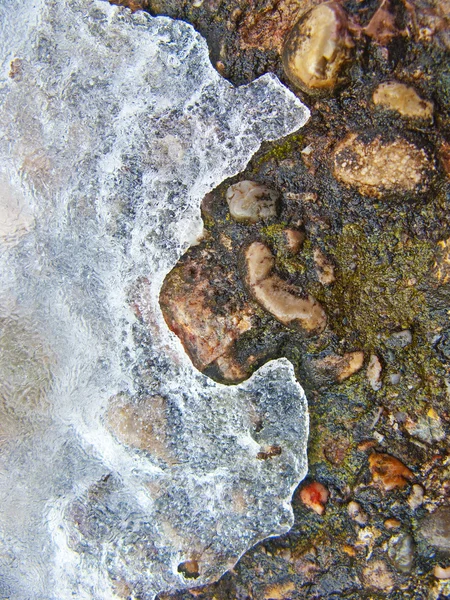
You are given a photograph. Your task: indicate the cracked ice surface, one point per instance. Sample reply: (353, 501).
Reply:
(118, 460)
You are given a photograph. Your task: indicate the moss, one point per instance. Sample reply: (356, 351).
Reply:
(378, 289)
(279, 150)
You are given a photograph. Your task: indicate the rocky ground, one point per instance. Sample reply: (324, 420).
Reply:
(333, 249)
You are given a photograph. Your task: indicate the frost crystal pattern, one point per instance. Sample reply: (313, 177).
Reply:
(123, 470)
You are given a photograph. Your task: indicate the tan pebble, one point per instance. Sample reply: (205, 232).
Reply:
(441, 572)
(315, 496)
(250, 202)
(318, 48)
(377, 575)
(349, 550)
(416, 496)
(356, 513)
(374, 372)
(189, 568)
(378, 167)
(338, 368)
(403, 99)
(324, 267)
(286, 303)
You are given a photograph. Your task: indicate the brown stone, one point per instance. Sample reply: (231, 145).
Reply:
(200, 305)
(324, 267)
(377, 575)
(266, 29)
(286, 303)
(388, 472)
(279, 591)
(334, 368)
(317, 48)
(141, 424)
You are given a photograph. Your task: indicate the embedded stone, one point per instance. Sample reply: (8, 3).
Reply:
(388, 472)
(334, 368)
(293, 240)
(435, 528)
(285, 302)
(401, 552)
(141, 424)
(377, 167)
(250, 202)
(377, 575)
(374, 372)
(201, 306)
(441, 572)
(318, 48)
(403, 99)
(315, 495)
(356, 513)
(324, 267)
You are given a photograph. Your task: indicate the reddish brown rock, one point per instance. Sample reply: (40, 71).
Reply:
(266, 29)
(201, 306)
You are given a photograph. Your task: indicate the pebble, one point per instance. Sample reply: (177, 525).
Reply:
(315, 496)
(374, 372)
(401, 339)
(388, 472)
(377, 575)
(250, 202)
(286, 303)
(337, 368)
(435, 528)
(324, 268)
(378, 167)
(392, 523)
(441, 572)
(403, 99)
(401, 552)
(428, 428)
(416, 496)
(293, 240)
(356, 513)
(317, 48)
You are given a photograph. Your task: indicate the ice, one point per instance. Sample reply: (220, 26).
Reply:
(118, 460)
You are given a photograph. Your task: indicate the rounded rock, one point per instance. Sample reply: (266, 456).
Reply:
(317, 49)
(250, 202)
(401, 552)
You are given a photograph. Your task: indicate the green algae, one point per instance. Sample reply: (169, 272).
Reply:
(279, 150)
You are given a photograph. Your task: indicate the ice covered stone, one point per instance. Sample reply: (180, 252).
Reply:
(121, 465)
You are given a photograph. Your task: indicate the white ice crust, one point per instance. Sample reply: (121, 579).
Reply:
(113, 127)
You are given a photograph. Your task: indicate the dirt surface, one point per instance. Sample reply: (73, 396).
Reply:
(364, 188)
